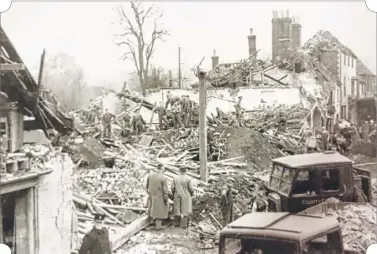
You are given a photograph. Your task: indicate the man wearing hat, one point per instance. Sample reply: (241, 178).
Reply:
(97, 240)
(226, 202)
(182, 190)
(157, 187)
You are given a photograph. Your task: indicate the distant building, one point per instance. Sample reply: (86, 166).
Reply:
(354, 80)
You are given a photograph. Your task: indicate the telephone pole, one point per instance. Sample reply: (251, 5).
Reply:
(179, 68)
(202, 127)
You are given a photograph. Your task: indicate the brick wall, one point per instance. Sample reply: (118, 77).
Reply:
(55, 206)
(329, 58)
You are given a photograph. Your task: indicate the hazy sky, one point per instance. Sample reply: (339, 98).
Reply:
(85, 30)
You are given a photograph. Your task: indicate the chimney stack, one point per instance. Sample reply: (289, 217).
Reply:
(296, 34)
(252, 46)
(215, 60)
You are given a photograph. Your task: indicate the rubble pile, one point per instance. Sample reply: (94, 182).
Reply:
(358, 223)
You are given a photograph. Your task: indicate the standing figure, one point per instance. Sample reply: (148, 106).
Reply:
(127, 125)
(354, 134)
(365, 130)
(182, 190)
(157, 187)
(176, 111)
(226, 202)
(185, 110)
(211, 140)
(162, 119)
(238, 108)
(107, 118)
(138, 122)
(324, 138)
(97, 240)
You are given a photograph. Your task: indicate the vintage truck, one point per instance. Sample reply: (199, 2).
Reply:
(301, 181)
(283, 233)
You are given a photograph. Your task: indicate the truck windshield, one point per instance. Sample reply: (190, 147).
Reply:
(281, 179)
(250, 245)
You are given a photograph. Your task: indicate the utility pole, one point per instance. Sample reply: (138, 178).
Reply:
(202, 127)
(179, 68)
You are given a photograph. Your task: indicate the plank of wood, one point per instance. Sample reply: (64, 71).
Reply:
(12, 67)
(135, 227)
(226, 160)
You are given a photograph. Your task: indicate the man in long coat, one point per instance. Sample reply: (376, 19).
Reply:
(157, 187)
(226, 202)
(97, 240)
(182, 190)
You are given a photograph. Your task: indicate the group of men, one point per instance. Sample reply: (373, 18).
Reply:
(181, 110)
(342, 138)
(130, 122)
(182, 191)
(236, 119)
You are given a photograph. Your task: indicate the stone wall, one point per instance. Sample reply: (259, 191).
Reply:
(54, 197)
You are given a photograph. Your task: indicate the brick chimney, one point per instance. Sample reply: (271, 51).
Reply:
(215, 60)
(296, 35)
(252, 45)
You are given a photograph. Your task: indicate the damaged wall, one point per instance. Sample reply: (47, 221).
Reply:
(54, 207)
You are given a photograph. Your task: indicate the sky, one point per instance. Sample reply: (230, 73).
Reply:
(86, 31)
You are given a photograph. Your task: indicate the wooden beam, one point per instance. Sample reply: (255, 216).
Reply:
(135, 227)
(12, 67)
(202, 127)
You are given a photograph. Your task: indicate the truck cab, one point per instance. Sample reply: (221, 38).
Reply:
(283, 233)
(298, 182)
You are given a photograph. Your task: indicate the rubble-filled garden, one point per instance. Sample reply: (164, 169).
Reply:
(120, 191)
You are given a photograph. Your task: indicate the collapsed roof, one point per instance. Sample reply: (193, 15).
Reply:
(20, 87)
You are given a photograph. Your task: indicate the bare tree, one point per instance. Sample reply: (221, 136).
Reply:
(66, 79)
(139, 43)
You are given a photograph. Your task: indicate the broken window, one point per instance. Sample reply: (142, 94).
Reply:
(325, 244)
(286, 180)
(275, 177)
(305, 183)
(330, 180)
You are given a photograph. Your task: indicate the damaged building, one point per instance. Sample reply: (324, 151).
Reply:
(354, 95)
(35, 184)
